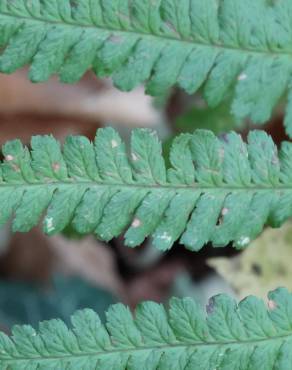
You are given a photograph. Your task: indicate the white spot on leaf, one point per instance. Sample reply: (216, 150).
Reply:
(165, 236)
(134, 157)
(50, 224)
(272, 305)
(114, 144)
(136, 223)
(9, 158)
(244, 241)
(225, 211)
(242, 77)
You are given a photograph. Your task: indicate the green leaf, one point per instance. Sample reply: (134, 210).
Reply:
(89, 212)
(147, 157)
(31, 208)
(219, 190)
(175, 219)
(231, 47)
(48, 161)
(242, 336)
(111, 156)
(62, 208)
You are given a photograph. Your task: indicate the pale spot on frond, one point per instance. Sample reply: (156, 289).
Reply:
(242, 77)
(114, 144)
(9, 158)
(136, 223)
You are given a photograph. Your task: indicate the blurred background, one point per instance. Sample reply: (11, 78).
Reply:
(43, 278)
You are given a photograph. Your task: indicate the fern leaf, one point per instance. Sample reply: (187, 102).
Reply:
(224, 45)
(218, 190)
(244, 336)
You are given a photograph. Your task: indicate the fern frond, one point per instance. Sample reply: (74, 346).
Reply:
(247, 336)
(222, 43)
(218, 190)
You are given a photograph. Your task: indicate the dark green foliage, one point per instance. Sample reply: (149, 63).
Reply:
(219, 190)
(248, 336)
(224, 45)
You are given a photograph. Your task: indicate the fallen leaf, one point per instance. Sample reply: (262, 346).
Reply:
(262, 267)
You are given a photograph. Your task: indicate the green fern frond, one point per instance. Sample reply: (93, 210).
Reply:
(248, 336)
(218, 190)
(188, 43)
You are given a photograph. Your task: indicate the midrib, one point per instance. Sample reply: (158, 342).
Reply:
(151, 187)
(268, 53)
(131, 351)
